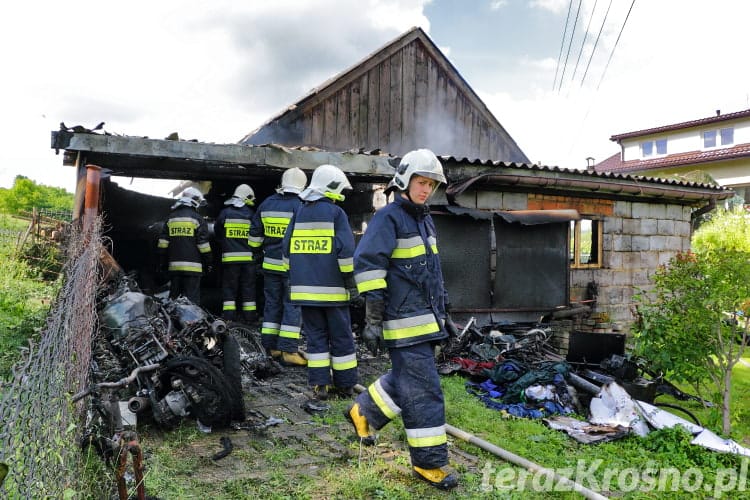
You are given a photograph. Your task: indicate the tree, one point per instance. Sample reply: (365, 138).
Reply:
(25, 195)
(692, 324)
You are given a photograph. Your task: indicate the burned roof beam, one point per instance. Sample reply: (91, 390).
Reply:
(157, 158)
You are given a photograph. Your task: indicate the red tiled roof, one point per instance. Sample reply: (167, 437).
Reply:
(677, 126)
(613, 164)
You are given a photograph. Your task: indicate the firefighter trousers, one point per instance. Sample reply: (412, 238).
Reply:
(237, 289)
(281, 319)
(411, 389)
(331, 355)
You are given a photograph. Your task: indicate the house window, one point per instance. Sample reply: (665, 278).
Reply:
(585, 242)
(725, 137)
(650, 148)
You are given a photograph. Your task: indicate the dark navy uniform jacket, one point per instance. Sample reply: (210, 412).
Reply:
(185, 240)
(269, 226)
(318, 250)
(397, 261)
(232, 229)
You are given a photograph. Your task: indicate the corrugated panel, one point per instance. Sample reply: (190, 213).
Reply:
(532, 266)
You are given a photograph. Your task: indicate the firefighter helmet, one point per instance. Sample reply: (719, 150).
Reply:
(293, 180)
(329, 181)
(192, 198)
(242, 193)
(418, 162)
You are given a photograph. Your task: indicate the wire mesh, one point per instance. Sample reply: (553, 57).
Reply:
(38, 422)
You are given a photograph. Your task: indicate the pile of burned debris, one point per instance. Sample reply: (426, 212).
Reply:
(515, 369)
(160, 360)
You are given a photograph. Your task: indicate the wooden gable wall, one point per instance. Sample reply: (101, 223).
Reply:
(404, 97)
(404, 102)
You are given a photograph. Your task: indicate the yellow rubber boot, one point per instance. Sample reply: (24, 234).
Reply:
(439, 478)
(361, 427)
(292, 359)
(275, 354)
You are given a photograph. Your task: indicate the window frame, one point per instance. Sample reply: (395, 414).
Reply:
(717, 137)
(575, 239)
(653, 146)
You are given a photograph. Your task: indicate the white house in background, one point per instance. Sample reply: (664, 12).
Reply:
(718, 146)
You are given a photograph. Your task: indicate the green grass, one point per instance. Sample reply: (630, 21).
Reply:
(178, 465)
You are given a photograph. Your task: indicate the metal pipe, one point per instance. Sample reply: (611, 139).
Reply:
(91, 199)
(513, 458)
(522, 462)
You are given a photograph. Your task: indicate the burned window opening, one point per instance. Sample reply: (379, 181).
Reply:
(586, 242)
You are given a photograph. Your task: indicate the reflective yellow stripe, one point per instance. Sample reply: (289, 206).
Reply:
(420, 438)
(344, 362)
(163, 243)
(407, 253)
(383, 400)
(313, 232)
(322, 297)
(410, 327)
(375, 284)
(346, 265)
(318, 360)
(273, 267)
(270, 328)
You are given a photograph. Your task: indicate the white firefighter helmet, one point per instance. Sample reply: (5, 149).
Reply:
(329, 181)
(243, 193)
(293, 180)
(192, 198)
(418, 162)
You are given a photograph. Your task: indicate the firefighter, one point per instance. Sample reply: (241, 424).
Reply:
(318, 250)
(232, 230)
(183, 246)
(397, 270)
(280, 331)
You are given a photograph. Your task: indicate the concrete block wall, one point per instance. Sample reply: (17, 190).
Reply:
(637, 239)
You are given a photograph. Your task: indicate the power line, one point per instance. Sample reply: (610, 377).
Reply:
(583, 43)
(562, 44)
(615, 46)
(572, 34)
(601, 28)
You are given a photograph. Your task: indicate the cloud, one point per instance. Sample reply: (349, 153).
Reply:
(498, 4)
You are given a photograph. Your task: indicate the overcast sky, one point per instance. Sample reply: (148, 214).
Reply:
(216, 70)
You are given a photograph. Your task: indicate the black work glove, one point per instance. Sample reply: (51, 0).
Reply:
(208, 265)
(372, 334)
(450, 327)
(355, 298)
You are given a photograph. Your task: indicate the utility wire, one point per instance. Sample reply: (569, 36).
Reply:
(615, 46)
(572, 34)
(562, 44)
(601, 28)
(583, 43)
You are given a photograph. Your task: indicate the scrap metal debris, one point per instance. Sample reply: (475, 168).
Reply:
(164, 360)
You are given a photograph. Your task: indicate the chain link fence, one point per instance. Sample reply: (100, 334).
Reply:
(38, 422)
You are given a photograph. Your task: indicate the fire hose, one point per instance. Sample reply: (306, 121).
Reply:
(514, 459)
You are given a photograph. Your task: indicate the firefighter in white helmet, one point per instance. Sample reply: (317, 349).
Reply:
(282, 325)
(232, 230)
(183, 246)
(397, 259)
(318, 249)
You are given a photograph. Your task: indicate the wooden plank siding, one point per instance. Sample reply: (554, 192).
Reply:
(404, 97)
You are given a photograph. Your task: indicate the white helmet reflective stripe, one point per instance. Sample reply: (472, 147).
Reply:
(293, 181)
(192, 197)
(327, 179)
(244, 192)
(418, 162)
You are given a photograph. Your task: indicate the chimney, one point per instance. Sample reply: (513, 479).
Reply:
(590, 163)
(718, 112)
